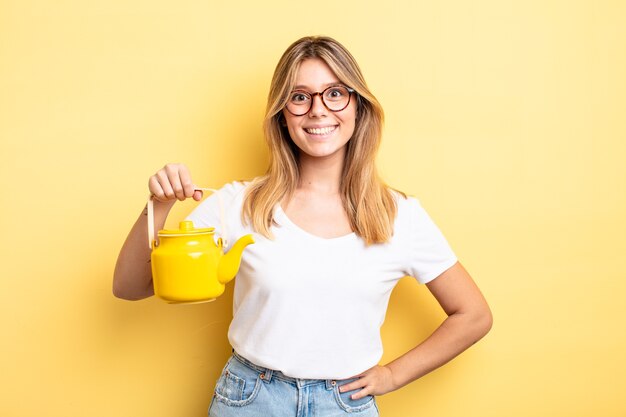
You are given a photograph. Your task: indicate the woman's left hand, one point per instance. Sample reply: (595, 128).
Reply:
(375, 381)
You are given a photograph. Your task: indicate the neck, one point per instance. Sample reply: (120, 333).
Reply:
(321, 174)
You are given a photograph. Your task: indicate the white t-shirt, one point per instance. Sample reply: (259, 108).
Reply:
(312, 307)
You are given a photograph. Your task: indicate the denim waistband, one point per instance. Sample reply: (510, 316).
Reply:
(267, 375)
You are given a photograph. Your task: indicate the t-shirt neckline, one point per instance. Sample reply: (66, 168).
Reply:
(284, 220)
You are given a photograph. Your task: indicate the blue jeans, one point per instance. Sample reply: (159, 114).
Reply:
(247, 390)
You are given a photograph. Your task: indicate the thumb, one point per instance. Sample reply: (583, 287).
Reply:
(197, 195)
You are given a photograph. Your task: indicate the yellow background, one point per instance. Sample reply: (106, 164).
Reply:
(506, 119)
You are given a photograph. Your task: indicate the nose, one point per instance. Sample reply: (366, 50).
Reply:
(318, 108)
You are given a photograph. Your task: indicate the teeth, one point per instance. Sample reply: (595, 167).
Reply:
(321, 130)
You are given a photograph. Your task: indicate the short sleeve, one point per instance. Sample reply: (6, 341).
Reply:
(221, 210)
(428, 251)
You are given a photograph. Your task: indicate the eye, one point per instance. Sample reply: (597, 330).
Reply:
(299, 97)
(336, 93)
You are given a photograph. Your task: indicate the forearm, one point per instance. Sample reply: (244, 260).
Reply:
(132, 279)
(469, 319)
(457, 333)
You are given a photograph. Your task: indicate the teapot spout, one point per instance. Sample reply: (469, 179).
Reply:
(229, 264)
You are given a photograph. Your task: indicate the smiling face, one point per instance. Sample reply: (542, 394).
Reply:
(320, 132)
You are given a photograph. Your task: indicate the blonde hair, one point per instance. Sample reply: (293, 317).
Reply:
(369, 203)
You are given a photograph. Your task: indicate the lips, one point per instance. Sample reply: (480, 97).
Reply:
(320, 130)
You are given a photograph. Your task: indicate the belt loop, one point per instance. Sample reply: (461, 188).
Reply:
(266, 376)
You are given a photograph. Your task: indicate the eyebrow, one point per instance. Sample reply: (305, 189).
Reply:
(304, 87)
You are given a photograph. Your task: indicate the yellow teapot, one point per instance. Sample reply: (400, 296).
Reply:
(188, 266)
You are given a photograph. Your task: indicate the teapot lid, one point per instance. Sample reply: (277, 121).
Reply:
(186, 228)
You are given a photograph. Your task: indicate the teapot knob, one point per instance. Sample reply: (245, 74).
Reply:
(186, 226)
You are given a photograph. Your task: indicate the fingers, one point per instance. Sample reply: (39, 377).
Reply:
(374, 381)
(171, 182)
(360, 384)
(184, 187)
(354, 385)
(361, 394)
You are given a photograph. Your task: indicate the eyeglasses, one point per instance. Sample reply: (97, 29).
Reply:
(335, 98)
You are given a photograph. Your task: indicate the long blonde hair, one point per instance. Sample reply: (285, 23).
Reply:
(369, 203)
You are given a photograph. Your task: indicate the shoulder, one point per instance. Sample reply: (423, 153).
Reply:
(406, 204)
(410, 214)
(228, 195)
(225, 201)
(235, 187)
(233, 190)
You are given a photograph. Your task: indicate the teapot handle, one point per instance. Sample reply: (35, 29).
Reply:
(150, 209)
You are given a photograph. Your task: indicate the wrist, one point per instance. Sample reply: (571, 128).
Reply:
(395, 376)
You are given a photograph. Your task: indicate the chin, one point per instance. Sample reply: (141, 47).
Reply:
(322, 153)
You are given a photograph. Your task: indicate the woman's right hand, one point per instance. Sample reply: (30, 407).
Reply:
(132, 278)
(173, 182)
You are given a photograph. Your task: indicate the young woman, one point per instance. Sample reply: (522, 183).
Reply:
(332, 242)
